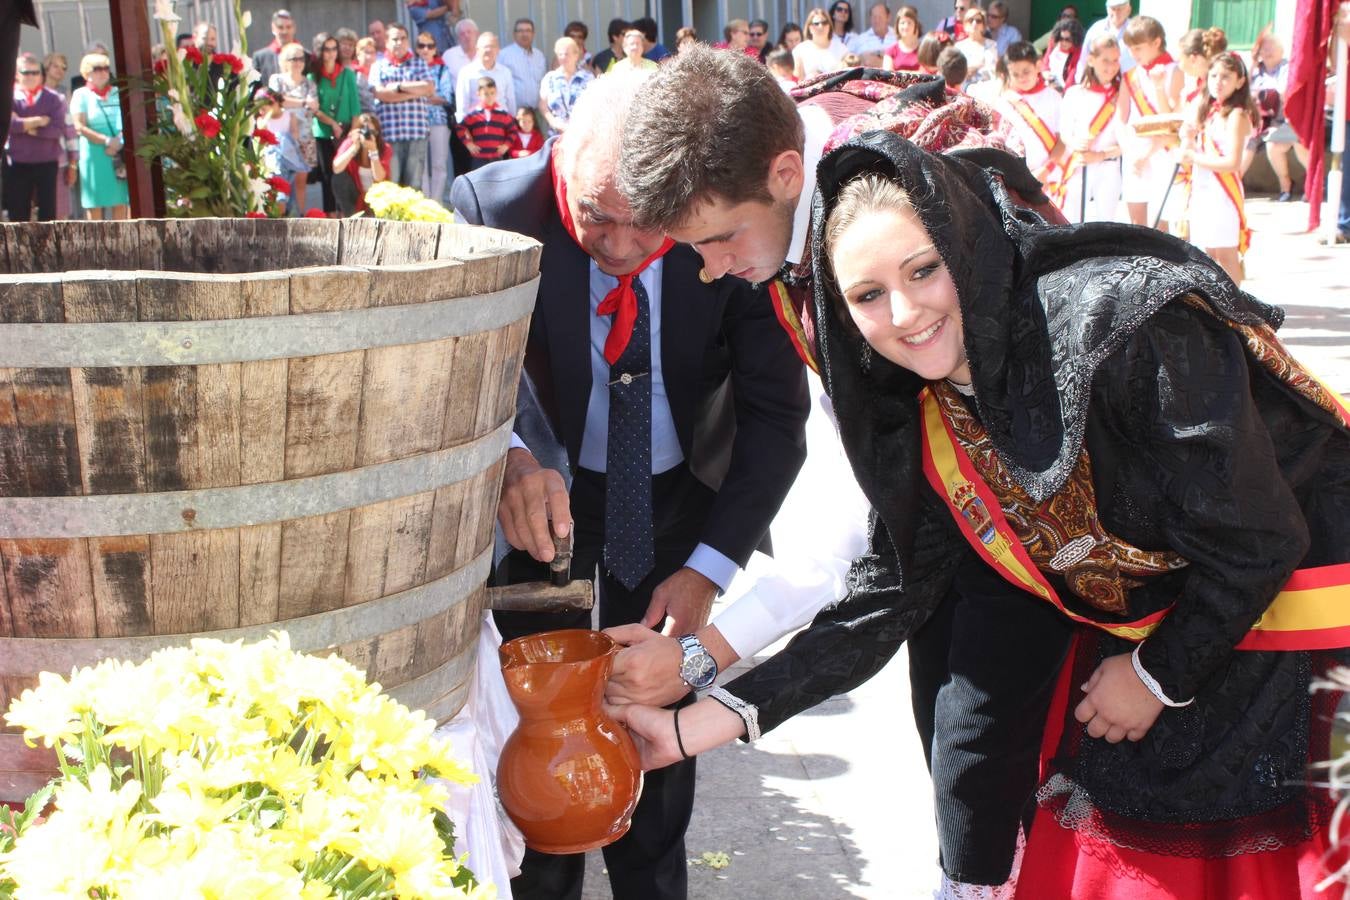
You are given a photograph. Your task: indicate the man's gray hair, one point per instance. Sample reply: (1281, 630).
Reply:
(464, 25)
(595, 130)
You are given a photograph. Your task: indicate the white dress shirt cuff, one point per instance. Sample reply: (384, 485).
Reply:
(517, 443)
(785, 596)
(712, 565)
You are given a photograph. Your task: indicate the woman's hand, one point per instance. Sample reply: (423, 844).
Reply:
(703, 726)
(312, 104)
(1118, 706)
(112, 146)
(653, 731)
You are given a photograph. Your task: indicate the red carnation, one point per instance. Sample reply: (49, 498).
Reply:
(161, 66)
(255, 215)
(279, 184)
(192, 55)
(263, 136)
(228, 59)
(207, 124)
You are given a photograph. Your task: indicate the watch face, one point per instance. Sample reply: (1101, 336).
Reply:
(699, 670)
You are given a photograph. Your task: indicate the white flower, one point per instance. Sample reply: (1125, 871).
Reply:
(181, 121)
(246, 19)
(259, 188)
(164, 11)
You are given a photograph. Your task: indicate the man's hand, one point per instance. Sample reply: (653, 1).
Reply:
(686, 597)
(531, 497)
(647, 669)
(1118, 706)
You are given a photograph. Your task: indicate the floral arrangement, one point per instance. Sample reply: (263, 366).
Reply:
(232, 770)
(389, 200)
(204, 132)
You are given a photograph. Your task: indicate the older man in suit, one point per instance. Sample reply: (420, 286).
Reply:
(677, 405)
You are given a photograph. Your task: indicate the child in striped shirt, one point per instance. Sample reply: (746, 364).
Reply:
(487, 130)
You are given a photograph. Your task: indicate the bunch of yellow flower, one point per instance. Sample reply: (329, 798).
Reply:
(233, 770)
(390, 200)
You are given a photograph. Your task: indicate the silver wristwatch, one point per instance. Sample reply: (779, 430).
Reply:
(698, 669)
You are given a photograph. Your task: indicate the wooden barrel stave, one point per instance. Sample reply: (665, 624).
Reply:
(123, 429)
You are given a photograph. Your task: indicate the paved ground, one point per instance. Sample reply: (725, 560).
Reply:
(836, 802)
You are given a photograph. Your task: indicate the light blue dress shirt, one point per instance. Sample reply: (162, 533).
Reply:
(666, 453)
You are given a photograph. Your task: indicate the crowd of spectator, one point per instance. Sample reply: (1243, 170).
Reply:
(418, 106)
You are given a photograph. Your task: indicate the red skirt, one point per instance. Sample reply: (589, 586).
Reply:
(1063, 864)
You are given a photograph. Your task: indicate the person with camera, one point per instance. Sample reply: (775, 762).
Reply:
(365, 156)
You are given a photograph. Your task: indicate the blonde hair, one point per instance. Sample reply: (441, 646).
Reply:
(365, 43)
(868, 193)
(90, 60)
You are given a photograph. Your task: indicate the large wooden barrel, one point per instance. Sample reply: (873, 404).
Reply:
(228, 426)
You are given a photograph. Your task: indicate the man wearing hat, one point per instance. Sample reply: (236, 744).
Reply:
(1118, 12)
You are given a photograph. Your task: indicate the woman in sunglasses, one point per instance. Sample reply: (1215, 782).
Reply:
(97, 112)
(301, 99)
(1060, 61)
(980, 51)
(36, 138)
(821, 51)
(339, 103)
(841, 20)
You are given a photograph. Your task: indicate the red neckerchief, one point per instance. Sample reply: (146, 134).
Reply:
(398, 62)
(436, 61)
(103, 93)
(1195, 91)
(1040, 86)
(31, 96)
(620, 302)
(332, 79)
(275, 46)
(364, 70)
(1098, 88)
(1161, 59)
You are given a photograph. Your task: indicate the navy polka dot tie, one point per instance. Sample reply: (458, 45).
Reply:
(629, 545)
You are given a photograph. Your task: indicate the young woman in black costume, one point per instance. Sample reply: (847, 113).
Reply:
(1071, 425)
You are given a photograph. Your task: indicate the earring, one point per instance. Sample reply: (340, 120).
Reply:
(704, 277)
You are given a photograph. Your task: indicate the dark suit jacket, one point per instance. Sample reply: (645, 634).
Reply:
(737, 390)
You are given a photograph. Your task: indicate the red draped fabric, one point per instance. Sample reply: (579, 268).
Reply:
(1306, 97)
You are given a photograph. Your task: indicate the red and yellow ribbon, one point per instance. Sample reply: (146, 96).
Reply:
(1095, 128)
(787, 315)
(1312, 612)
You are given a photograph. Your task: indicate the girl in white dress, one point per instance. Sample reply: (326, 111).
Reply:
(1212, 146)
(1152, 87)
(1090, 128)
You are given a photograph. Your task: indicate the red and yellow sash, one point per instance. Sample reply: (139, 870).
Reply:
(1135, 84)
(788, 317)
(1095, 128)
(1231, 184)
(1043, 132)
(1312, 612)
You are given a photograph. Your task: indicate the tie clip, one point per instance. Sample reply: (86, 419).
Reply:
(626, 378)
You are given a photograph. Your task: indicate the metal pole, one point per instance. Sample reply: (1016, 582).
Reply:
(1082, 202)
(131, 53)
(1336, 165)
(1167, 193)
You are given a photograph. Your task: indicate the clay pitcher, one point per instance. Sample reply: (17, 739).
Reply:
(569, 775)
